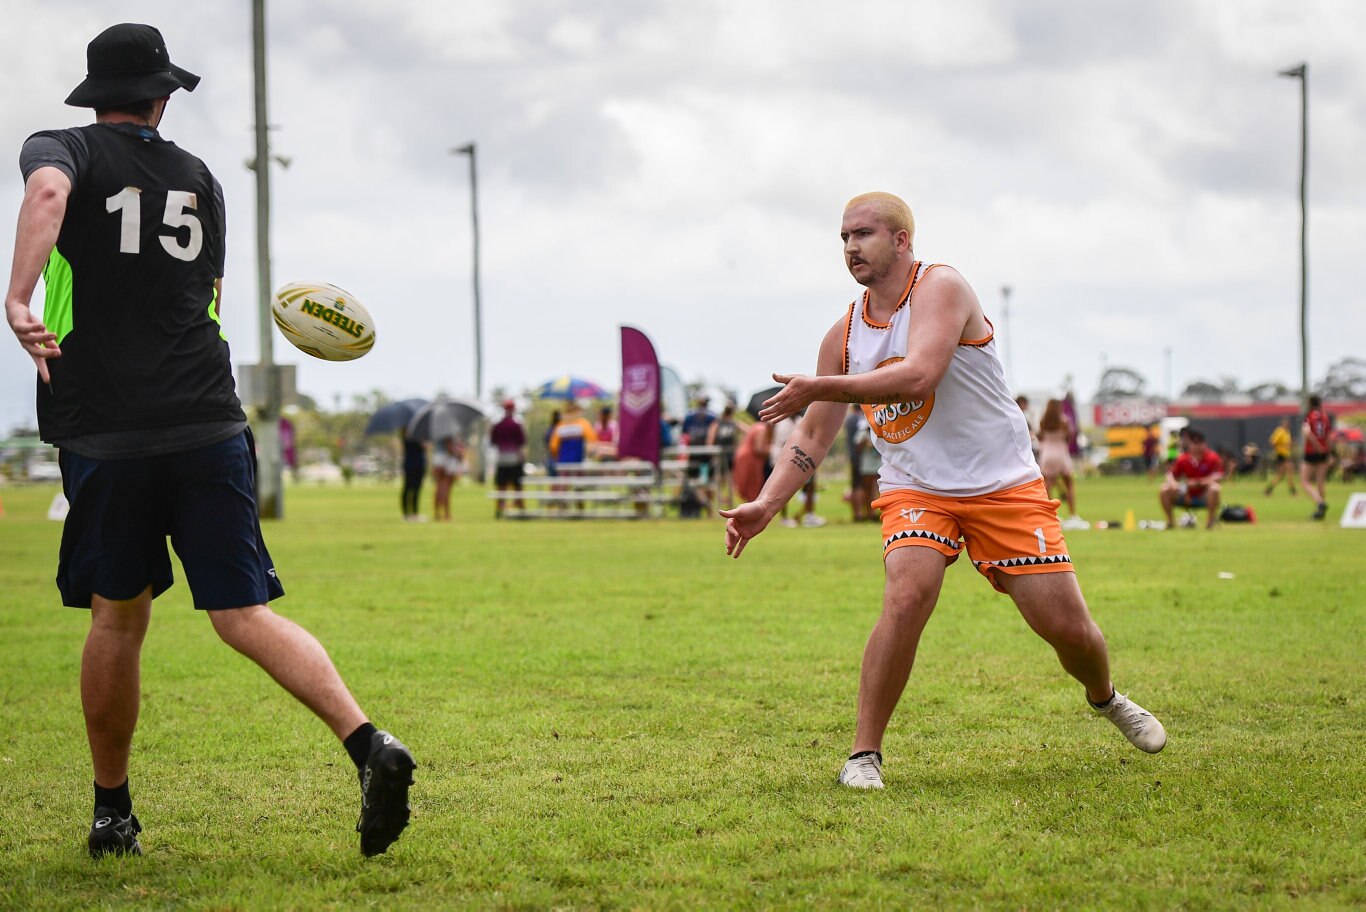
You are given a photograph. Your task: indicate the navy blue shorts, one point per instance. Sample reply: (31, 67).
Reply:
(122, 510)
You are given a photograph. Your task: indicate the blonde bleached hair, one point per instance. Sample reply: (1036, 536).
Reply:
(891, 210)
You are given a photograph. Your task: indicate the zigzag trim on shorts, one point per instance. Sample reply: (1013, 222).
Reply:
(921, 533)
(1027, 561)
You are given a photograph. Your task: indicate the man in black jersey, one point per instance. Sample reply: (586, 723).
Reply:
(135, 388)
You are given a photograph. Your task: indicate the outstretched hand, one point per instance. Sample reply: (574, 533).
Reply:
(797, 393)
(35, 338)
(743, 523)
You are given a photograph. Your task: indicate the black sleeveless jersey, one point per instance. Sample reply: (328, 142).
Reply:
(130, 289)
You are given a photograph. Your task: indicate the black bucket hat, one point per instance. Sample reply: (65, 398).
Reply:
(127, 63)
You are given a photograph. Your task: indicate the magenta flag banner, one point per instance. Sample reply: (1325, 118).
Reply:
(638, 422)
(1069, 411)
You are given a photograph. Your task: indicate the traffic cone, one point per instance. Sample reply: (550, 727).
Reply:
(1130, 524)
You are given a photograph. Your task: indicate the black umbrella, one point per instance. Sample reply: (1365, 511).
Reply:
(756, 402)
(393, 416)
(445, 417)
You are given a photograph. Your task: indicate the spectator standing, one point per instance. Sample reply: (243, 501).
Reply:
(870, 468)
(855, 434)
(1023, 403)
(572, 437)
(606, 429)
(414, 470)
(1055, 460)
(698, 422)
(751, 460)
(136, 391)
(1151, 458)
(1193, 480)
(550, 432)
(724, 434)
(508, 438)
(1318, 437)
(445, 470)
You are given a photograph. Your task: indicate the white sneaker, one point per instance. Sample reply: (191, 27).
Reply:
(863, 772)
(812, 521)
(1075, 523)
(789, 522)
(1139, 726)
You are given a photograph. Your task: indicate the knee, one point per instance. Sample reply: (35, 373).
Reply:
(234, 625)
(1077, 635)
(908, 606)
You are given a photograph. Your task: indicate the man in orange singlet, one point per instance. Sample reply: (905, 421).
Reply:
(958, 472)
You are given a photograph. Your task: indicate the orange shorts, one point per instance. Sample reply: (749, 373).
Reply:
(1013, 531)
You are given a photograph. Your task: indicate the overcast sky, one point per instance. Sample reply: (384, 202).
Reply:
(1129, 170)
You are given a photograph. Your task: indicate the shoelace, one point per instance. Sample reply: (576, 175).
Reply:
(1132, 718)
(867, 767)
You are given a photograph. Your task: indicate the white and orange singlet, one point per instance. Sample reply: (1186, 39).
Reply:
(968, 438)
(957, 467)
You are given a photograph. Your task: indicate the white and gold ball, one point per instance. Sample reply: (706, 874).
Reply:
(323, 321)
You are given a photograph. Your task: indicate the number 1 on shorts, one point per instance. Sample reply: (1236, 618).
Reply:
(1043, 546)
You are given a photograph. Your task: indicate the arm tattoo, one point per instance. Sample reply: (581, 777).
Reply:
(858, 399)
(802, 461)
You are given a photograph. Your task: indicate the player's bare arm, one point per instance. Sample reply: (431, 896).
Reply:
(805, 451)
(945, 311)
(40, 222)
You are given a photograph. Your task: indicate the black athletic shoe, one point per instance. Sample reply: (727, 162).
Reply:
(384, 782)
(1320, 511)
(114, 834)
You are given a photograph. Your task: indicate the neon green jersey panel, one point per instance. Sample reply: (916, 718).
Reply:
(213, 315)
(57, 316)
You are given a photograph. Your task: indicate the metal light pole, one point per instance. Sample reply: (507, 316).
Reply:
(1301, 73)
(468, 149)
(1005, 325)
(270, 501)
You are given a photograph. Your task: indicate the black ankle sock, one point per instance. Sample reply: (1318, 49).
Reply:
(1103, 703)
(116, 798)
(357, 744)
(877, 754)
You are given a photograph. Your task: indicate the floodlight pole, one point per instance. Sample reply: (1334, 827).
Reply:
(1005, 325)
(1301, 72)
(270, 501)
(468, 149)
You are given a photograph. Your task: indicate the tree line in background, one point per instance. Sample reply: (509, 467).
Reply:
(1345, 379)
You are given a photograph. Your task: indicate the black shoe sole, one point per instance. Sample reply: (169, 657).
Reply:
(386, 810)
(103, 849)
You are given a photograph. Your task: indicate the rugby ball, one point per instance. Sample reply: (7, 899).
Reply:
(323, 321)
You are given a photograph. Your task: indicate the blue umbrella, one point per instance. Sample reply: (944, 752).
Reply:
(568, 387)
(393, 416)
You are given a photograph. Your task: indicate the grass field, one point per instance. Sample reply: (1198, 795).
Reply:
(614, 715)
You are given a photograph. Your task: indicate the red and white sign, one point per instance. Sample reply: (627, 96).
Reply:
(1136, 411)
